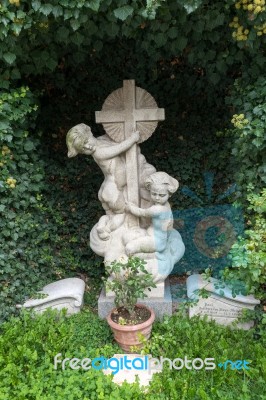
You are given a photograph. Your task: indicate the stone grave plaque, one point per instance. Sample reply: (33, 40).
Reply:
(224, 309)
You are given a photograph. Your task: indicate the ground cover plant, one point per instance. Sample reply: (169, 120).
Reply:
(29, 344)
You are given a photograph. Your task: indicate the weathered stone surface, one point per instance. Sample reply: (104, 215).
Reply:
(157, 292)
(138, 220)
(65, 293)
(129, 376)
(224, 309)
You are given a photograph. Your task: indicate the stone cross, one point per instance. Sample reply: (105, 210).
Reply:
(123, 109)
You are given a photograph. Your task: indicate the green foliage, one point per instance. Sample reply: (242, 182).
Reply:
(32, 253)
(71, 55)
(248, 255)
(249, 22)
(190, 5)
(28, 345)
(21, 182)
(249, 147)
(179, 336)
(123, 12)
(62, 33)
(129, 281)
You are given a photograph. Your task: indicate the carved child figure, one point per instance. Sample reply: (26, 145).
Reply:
(161, 186)
(80, 140)
(106, 154)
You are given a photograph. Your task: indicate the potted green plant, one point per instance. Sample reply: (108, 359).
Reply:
(130, 321)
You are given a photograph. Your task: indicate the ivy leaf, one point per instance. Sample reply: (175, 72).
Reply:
(38, 177)
(160, 39)
(15, 236)
(36, 5)
(123, 12)
(214, 78)
(91, 27)
(62, 34)
(75, 24)
(51, 64)
(181, 43)
(57, 11)
(93, 5)
(8, 138)
(77, 38)
(28, 146)
(190, 5)
(113, 29)
(172, 32)
(21, 14)
(46, 9)
(98, 45)
(9, 57)
(4, 125)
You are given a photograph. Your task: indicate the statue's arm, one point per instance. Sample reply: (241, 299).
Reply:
(108, 152)
(141, 212)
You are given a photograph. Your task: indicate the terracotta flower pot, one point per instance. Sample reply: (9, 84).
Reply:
(127, 335)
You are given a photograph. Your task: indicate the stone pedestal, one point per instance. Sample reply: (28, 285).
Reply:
(160, 305)
(224, 309)
(157, 292)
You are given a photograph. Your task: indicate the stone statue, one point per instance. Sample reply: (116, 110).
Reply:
(161, 186)
(108, 155)
(138, 218)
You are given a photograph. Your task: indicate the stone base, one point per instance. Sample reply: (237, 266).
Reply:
(160, 305)
(157, 292)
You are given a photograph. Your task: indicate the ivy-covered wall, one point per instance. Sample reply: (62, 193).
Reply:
(59, 60)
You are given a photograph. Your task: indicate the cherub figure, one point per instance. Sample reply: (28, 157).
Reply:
(80, 140)
(107, 154)
(161, 186)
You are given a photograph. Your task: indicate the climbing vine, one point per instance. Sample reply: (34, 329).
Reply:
(58, 62)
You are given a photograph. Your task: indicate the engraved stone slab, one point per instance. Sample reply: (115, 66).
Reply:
(223, 309)
(65, 293)
(129, 375)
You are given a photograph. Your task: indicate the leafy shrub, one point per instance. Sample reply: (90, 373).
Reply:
(29, 344)
(32, 250)
(248, 255)
(249, 148)
(23, 263)
(179, 336)
(130, 280)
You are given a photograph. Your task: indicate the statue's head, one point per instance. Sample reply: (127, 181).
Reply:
(161, 186)
(80, 140)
